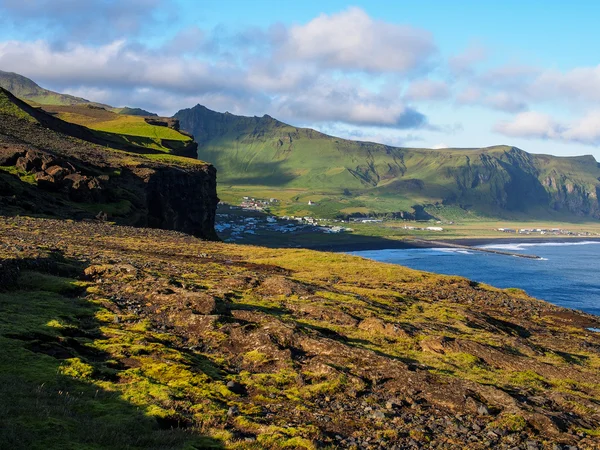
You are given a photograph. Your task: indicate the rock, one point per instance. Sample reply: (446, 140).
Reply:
(168, 122)
(436, 344)
(379, 326)
(236, 388)
(201, 303)
(482, 410)
(82, 188)
(57, 172)
(46, 182)
(233, 411)
(10, 155)
(378, 415)
(182, 200)
(31, 161)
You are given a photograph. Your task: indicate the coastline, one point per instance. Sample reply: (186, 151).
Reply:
(392, 244)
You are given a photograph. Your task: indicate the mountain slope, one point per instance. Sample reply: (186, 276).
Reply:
(114, 337)
(50, 167)
(27, 89)
(351, 176)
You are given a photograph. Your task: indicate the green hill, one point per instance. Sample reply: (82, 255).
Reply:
(28, 90)
(264, 156)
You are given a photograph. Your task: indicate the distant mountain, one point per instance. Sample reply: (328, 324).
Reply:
(126, 110)
(26, 89)
(362, 177)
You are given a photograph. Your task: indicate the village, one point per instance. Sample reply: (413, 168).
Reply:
(236, 223)
(253, 219)
(546, 231)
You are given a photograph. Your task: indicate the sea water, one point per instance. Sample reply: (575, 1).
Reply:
(567, 275)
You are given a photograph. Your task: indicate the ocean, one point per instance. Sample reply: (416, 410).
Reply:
(567, 275)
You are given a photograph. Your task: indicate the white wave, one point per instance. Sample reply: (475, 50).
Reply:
(523, 246)
(452, 250)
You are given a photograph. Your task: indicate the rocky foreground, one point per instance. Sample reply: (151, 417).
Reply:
(118, 337)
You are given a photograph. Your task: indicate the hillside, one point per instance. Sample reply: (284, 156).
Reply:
(28, 90)
(53, 168)
(266, 158)
(115, 337)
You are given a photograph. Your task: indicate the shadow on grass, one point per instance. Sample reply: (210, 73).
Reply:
(56, 390)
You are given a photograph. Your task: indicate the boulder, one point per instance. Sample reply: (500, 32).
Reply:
(57, 172)
(46, 182)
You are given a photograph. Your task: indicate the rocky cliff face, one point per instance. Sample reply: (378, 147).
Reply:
(45, 171)
(172, 199)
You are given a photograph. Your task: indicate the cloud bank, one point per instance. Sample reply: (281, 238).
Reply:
(346, 67)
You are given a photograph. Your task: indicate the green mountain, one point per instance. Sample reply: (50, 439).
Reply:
(126, 110)
(28, 90)
(267, 156)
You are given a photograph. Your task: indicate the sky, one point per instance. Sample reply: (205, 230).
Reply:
(427, 74)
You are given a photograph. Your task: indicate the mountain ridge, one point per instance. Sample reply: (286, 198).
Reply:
(496, 180)
(27, 89)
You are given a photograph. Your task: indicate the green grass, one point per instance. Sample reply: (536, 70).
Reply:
(48, 403)
(8, 107)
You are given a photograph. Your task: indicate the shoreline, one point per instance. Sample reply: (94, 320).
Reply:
(408, 244)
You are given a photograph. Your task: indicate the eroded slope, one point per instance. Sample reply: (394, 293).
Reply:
(247, 347)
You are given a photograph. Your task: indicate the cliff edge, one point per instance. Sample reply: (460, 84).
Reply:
(52, 168)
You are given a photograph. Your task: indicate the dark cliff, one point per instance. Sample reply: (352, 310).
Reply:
(48, 171)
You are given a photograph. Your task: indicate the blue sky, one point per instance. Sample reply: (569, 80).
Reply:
(417, 74)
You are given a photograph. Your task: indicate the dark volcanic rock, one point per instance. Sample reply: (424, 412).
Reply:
(182, 200)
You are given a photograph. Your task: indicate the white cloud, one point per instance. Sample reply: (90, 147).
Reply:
(97, 21)
(463, 63)
(353, 40)
(346, 102)
(501, 101)
(534, 125)
(427, 90)
(118, 74)
(530, 125)
(586, 130)
(581, 84)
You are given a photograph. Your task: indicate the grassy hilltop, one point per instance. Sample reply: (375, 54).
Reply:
(265, 157)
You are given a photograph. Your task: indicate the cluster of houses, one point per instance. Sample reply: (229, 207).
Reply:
(368, 220)
(234, 227)
(545, 231)
(407, 227)
(256, 204)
